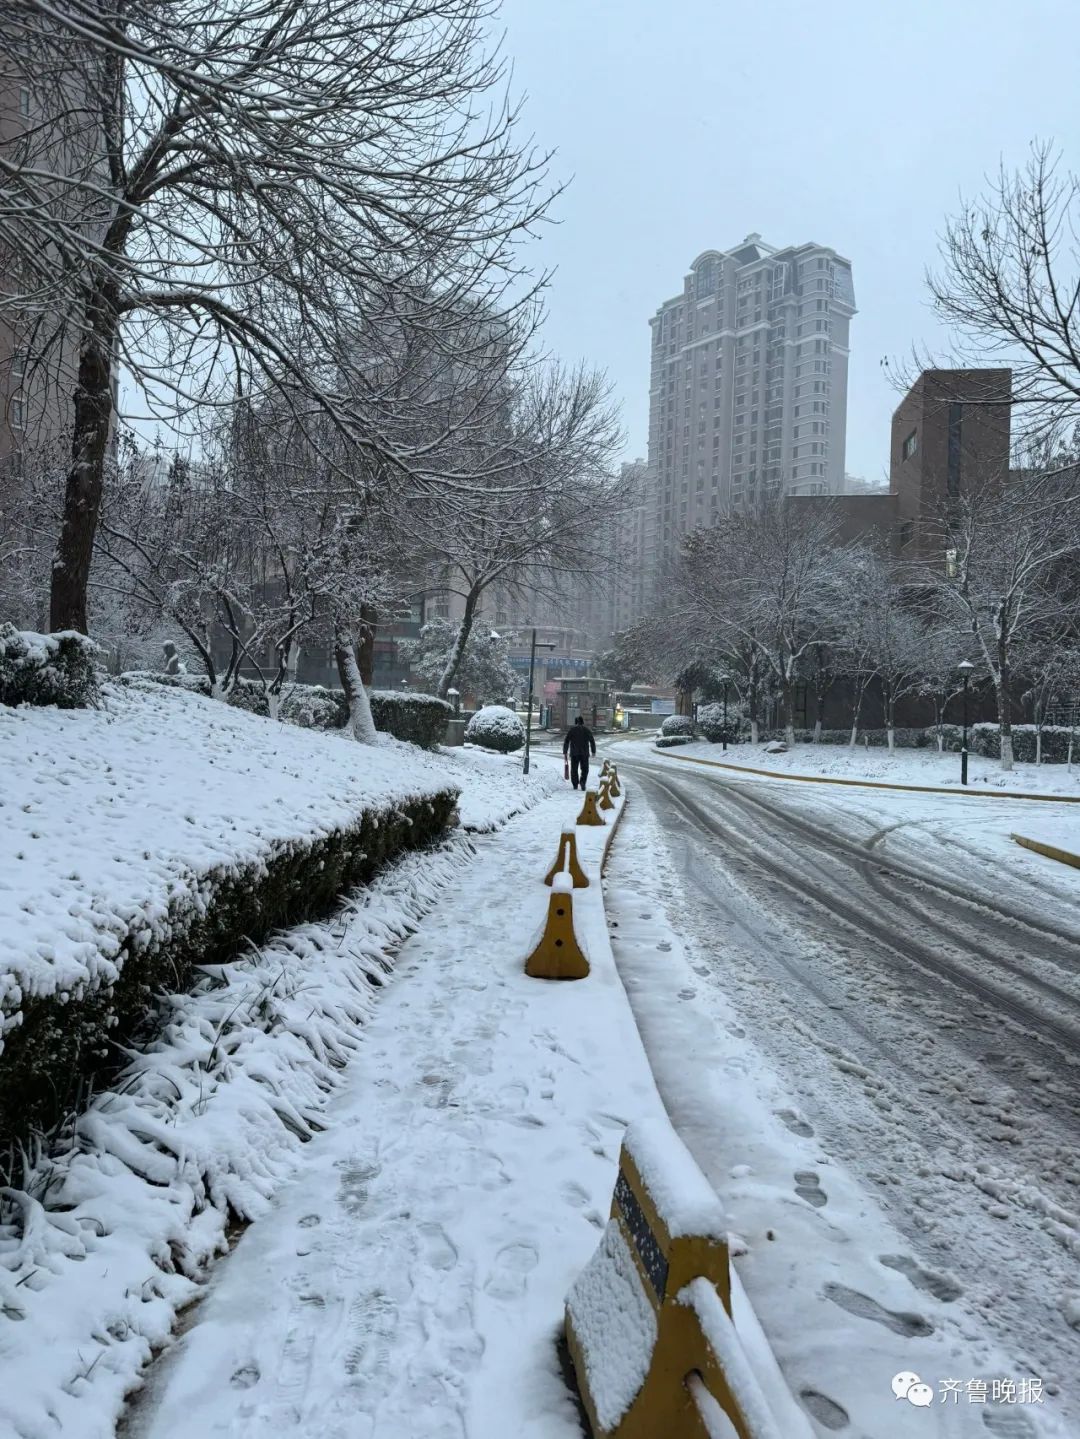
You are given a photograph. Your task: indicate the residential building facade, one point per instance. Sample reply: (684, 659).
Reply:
(748, 384)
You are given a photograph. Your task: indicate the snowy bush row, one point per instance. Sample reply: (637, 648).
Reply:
(496, 727)
(103, 1241)
(55, 669)
(983, 739)
(668, 741)
(55, 1044)
(419, 719)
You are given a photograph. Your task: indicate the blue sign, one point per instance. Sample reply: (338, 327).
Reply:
(521, 662)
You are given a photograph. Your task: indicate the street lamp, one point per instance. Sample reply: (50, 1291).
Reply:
(965, 667)
(454, 696)
(726, 679)
(528, 716)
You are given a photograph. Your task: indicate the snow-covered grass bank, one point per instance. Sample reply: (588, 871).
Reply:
(903, 766)
(161, 830)
(106, 1240)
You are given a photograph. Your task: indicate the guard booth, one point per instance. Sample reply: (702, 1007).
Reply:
(591, 698)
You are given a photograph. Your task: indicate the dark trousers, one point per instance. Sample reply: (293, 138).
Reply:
(579, 770)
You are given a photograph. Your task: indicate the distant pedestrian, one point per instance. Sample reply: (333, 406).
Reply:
(578, 744)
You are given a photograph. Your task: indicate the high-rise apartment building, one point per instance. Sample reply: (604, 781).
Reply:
(748, 387)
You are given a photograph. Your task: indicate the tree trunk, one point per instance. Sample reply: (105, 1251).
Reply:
(360, 723)
(787, 701)
(366, 645)
(453, 664)
(939, 723)
(86, 476)
(1002, 687)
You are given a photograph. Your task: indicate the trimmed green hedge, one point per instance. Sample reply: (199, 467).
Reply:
(63, 1051)
(420, 719)
(668, 741)
(59, 669)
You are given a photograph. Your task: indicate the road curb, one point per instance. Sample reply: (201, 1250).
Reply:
(1051, 851)
(877, 784)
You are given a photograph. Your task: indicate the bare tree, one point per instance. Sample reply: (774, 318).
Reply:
(545, 485)
(221, 193)
(1006, 578)
(1010, 283)
(767, 581)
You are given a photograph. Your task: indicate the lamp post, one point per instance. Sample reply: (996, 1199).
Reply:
(528, 716)
(454, 696)
(965, 667)
(727, 680)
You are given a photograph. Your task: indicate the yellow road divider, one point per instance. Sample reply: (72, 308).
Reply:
(604, 795)
(614, 787)
(558, 955)
(648, 1322)
(1051, 851)
(589, 813)
(567, 859)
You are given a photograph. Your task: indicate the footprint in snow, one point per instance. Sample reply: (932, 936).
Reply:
(798, 1126)
(826, 1411)
(808, 1187)
(436, 1247)
(246, 1376)
(664, 945)
(1008, 1423)
(513, 1264)
(939, 1285)
(309, 1221)
(863, 1307)
(687, 993)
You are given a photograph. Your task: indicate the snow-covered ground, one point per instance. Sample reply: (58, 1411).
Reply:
(887, 991)
(410, 1281)
(903, 766)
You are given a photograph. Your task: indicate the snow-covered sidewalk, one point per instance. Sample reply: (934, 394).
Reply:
(411, 1280)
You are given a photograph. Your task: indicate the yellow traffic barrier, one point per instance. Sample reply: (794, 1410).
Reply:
(648, 1321)
(606, 768)
(558, 955)
(567, 859)
(604, 800)
(614, 788)
(589, 813)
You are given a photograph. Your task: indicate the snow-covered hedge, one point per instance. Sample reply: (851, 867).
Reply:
(496, 727)
(420, 719)
(710, 721)
(57, 669)
(156, 835)
(677, 724)
(668, 741)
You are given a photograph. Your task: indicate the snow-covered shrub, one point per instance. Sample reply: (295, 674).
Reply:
(495, 727)
(669, 741)
(54, 669)
(313, 707)
(710, 721)
(677, 725)
(419, 719)
(985, 739)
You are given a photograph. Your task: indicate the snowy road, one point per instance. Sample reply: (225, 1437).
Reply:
(921, 993)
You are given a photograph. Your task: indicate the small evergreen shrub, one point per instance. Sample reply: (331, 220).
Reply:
(419, 719)
(669, 741)
(710, 721)
(495, 727)
(677, 725)
(57, 669)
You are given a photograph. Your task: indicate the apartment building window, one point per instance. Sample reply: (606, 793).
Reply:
(910, 445)
(18, 367)
(956, 424)
(17, 412)
(26, 99)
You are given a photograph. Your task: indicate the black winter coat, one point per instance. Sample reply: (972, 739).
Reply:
(579, 741)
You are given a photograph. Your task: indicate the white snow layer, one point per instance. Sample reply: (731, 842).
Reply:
(685, 1200)
(615, 1325)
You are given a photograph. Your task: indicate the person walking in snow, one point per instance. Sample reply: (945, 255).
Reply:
(578, 744)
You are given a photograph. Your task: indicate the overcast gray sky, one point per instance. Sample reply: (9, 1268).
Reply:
(687, 124)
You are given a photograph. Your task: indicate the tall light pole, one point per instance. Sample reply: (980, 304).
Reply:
(965, 667)
(528, 717)
(727, 680)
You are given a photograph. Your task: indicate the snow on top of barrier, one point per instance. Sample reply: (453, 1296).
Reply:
(615, 1326)
(685, 1200)
(563, 883)
(719, 1332)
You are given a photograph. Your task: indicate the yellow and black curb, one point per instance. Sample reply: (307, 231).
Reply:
(968, 793)
(1050, 851)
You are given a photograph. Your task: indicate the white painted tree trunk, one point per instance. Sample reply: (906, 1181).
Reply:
(273, 703)
(1038, 746)
(817, 731)
(854, 740)
(754, 731)
(360, 724)
(1006, 751)
(891, 733)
